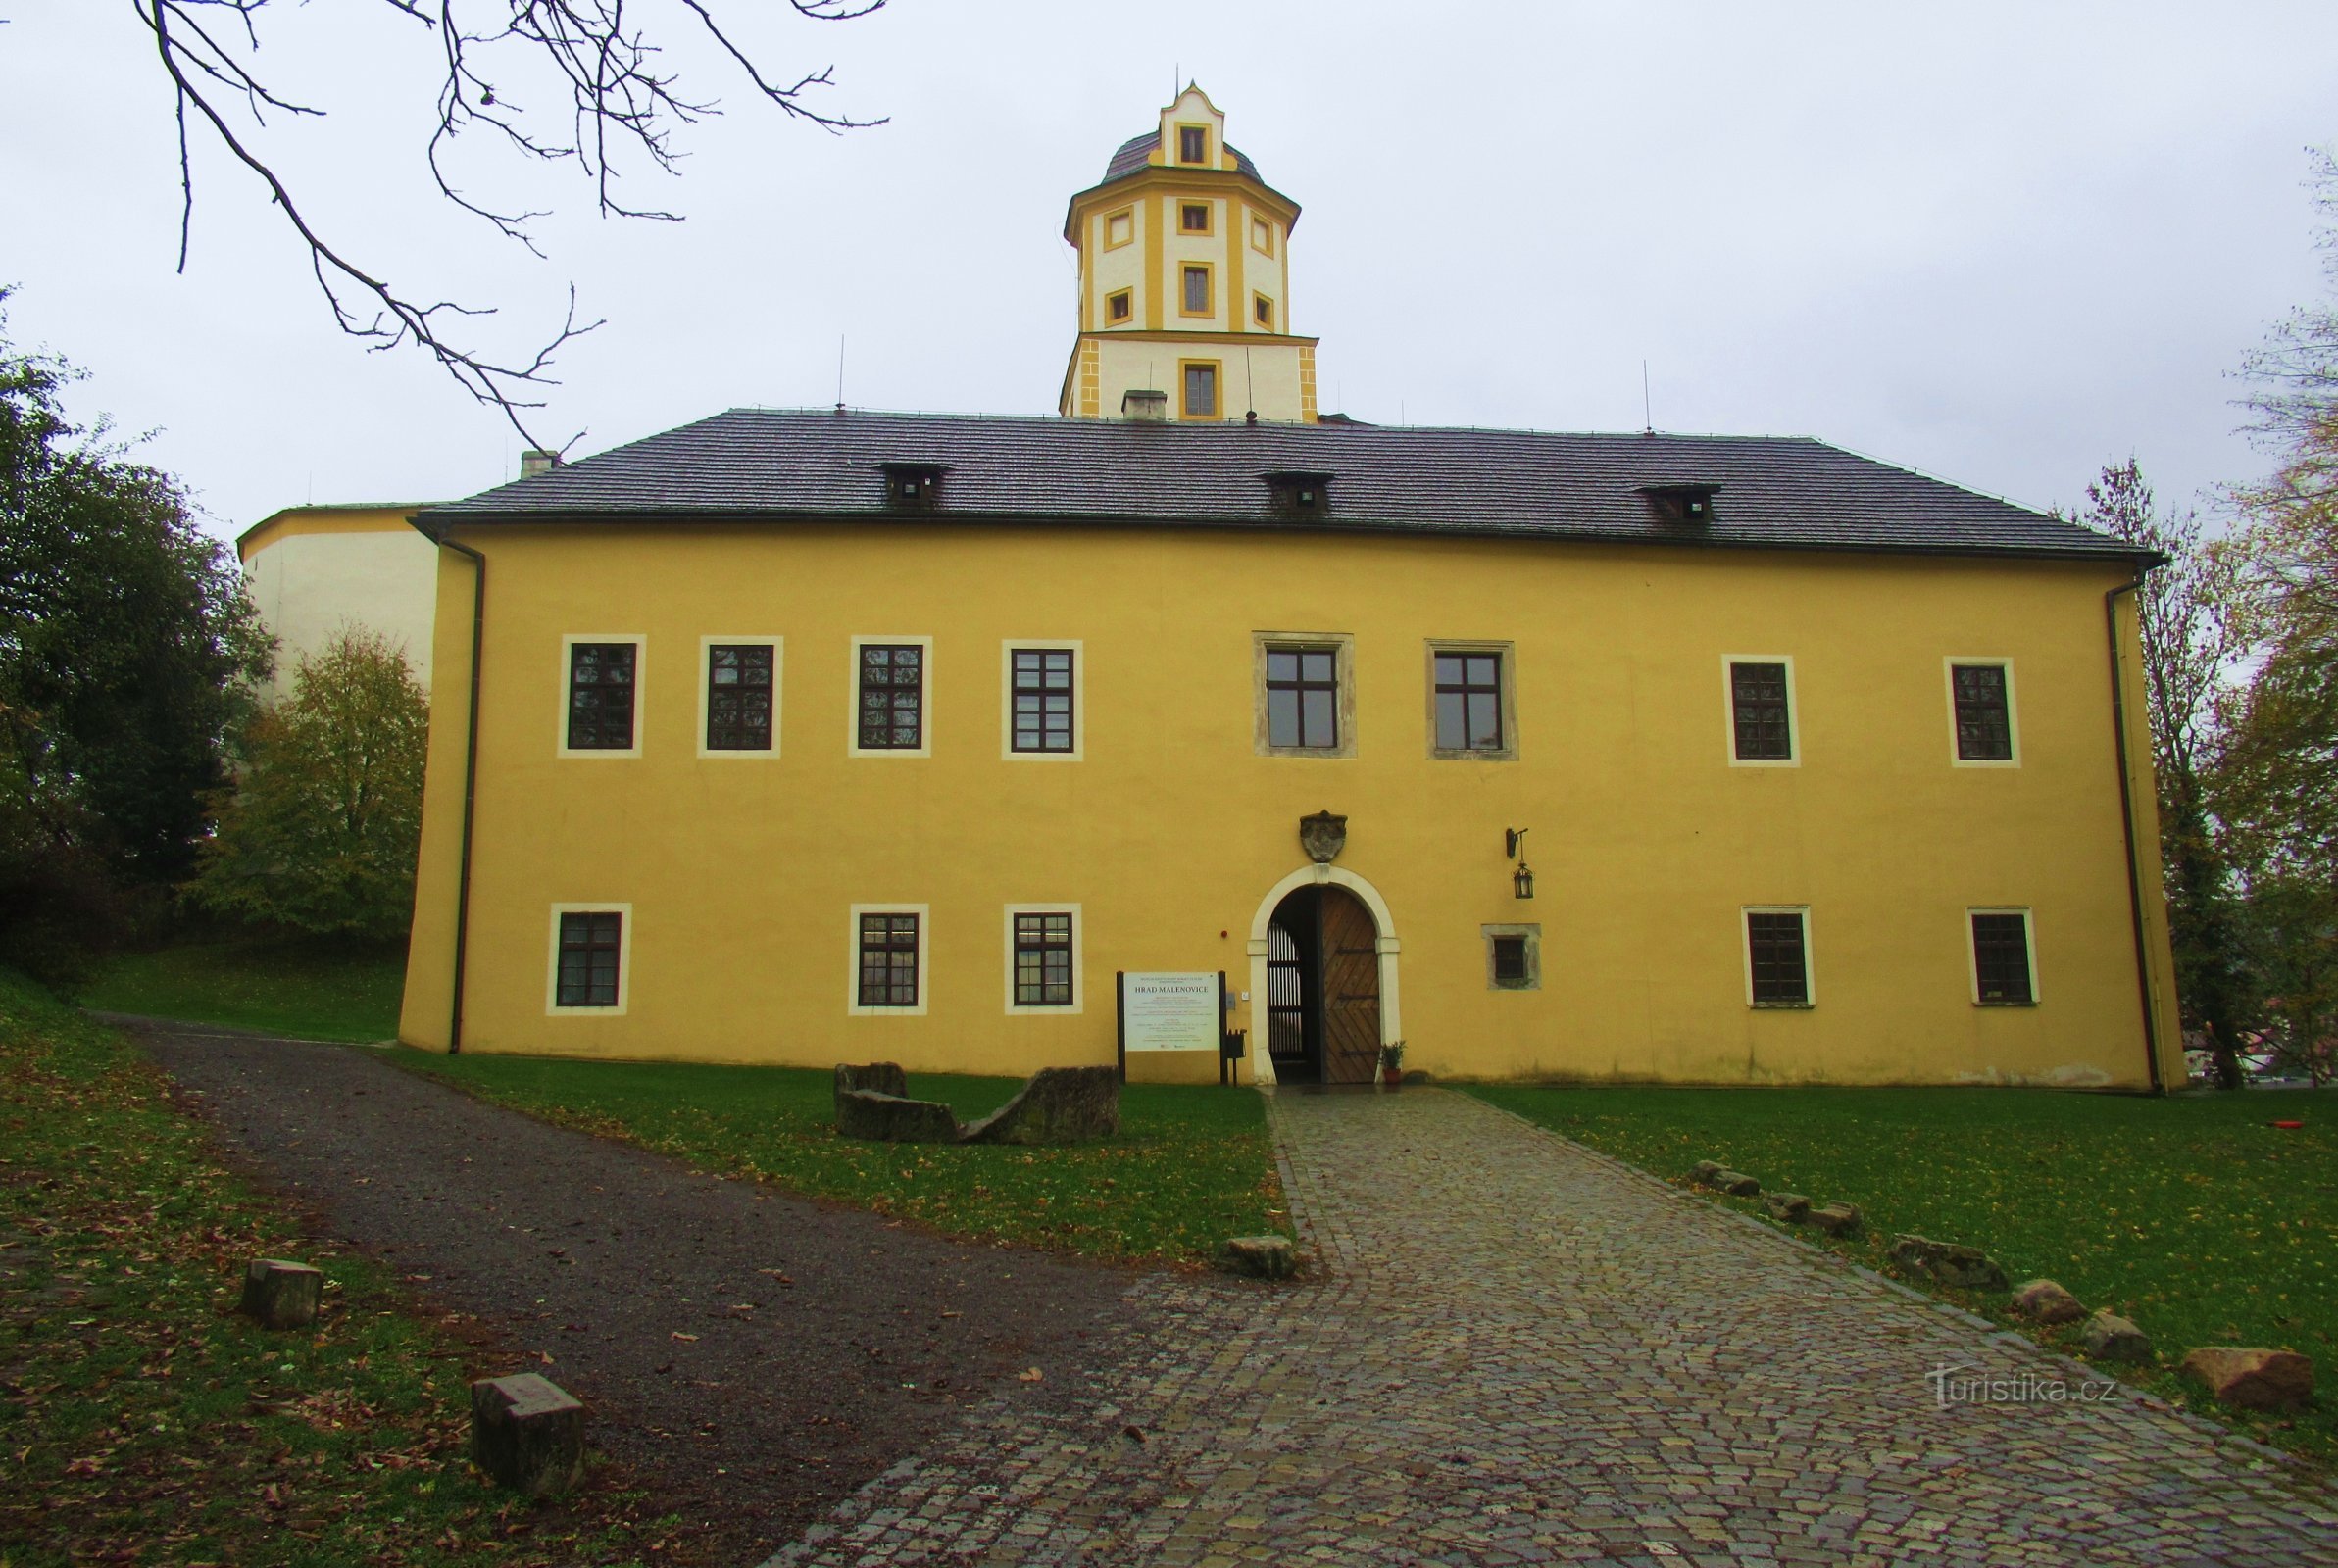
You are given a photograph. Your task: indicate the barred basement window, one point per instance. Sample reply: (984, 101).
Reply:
(1778, 959)
(601, 695)
(590, 947)
(892, 713)
(1043, 960)
(1509, 961)
(1762, 726)
(1469, 702)
(2001, 975)
(888, 960)
(738, 697)
(1043, 699)
(1302, 697)
(1984, 713)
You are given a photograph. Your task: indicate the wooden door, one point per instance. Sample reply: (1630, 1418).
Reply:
(1350, 989)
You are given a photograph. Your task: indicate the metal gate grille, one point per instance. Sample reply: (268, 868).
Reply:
(1286, 998)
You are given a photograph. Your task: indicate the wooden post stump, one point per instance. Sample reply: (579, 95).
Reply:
(281, 1294)
(527, 1433)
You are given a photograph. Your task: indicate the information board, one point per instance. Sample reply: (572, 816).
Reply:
(1170, 1011)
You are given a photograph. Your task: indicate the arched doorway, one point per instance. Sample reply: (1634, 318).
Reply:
(1322, 1014)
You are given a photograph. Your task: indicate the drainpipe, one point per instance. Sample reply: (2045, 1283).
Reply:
(2126, 822)
(471, 791)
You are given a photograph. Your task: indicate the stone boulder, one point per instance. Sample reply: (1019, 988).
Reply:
(2111, 1338)
(1722, 1179)
(2254, 1379)
(1791, 1208)
(1704, 1171)
(1948, 1264)
(893, 1119)
(2045, 1301)
(1058, 1105)
(1837, 1219)
(1269, 1258)
(527, 1433)
(281, 1294)
(876, 1077)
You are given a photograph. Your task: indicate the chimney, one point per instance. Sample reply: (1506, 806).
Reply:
(533, 461)
(1146, 406)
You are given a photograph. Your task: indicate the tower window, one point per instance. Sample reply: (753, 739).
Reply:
(1197, 291)
(1261, 310)
(1119, 229)
(1194, 217)
(1193, 144)
(1262, 236)
(1117, 306)
(1201, 391)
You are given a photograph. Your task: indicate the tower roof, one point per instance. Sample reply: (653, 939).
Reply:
(1135, 155)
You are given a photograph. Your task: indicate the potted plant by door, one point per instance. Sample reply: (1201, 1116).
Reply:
(1392, 1063)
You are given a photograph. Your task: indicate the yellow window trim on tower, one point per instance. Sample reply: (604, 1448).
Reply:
(1261, 310)
(1203, 162)
(1209, 272)
(1262, 236)
(1216, 370)
(1126, 300)
(1125, 218)
(1209, 211)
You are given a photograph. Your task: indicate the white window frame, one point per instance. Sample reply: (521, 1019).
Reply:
(1008, 647)
(852, 949)
(852, 705)
(1810, 958)
(1079, 987)
(2029, 944)
(778, 647)
(624, 951)
(560, 733)
(1730, 712)
(2013, 713)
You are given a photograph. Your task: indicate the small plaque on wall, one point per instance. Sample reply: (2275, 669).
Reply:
(1169, 1010)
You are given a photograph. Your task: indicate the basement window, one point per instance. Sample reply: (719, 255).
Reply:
(912, 486)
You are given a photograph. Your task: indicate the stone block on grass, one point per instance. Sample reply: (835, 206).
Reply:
(2045, 1301)
(528, 1434)
(1792, 1207)
(2108, 1337)
(1722, 1179)
(1948, 1264)
(281, 1294)
(1269, 1258)
(2254, 1379)
(878, 1077)
(1058, 1105)
(892, 1119)
(1837, 1219)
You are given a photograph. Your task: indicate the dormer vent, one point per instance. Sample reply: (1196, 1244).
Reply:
(912, 486)
(1299, 495)
(1683, 506)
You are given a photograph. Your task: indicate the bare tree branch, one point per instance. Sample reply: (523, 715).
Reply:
(622, 107)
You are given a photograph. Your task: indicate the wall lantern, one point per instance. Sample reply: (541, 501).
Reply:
(1522, 881)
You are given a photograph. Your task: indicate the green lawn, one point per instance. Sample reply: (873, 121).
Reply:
(2190, 1215)
(1190, 1168)
(142, 1420)
(316, 989)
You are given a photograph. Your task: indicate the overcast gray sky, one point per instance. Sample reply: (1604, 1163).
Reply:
(2001, 243)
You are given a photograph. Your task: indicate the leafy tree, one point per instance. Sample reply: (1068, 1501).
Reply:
(2190, 633)
(320, 832)
(128, 648)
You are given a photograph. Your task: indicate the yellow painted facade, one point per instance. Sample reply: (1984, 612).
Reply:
(313, 569)
(1173, 836)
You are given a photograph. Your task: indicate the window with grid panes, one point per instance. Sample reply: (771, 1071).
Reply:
(1302, 697)
(1043, 699)
(590, 943)
(1763, 729)
(738, 697)
(1201, 391)
(892, 696)
(1509, 961)
(888, 960)
(1984, 716)
(1043, 960)
(1470, 702)
(2001, 959)
(601, 697)
(1780, 960)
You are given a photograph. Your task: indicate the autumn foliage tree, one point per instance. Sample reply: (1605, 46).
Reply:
(319, 833)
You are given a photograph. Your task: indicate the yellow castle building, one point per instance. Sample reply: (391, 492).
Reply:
(814, 736)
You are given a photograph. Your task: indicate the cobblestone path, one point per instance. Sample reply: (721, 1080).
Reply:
(1515, 1350)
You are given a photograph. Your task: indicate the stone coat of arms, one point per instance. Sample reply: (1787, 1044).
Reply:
(1322, 835)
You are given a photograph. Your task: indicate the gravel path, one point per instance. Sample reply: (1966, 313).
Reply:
(1518, 1351)
(761, 1356)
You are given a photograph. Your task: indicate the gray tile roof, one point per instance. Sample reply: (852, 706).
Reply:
(1781, 492)
(1136, 150)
